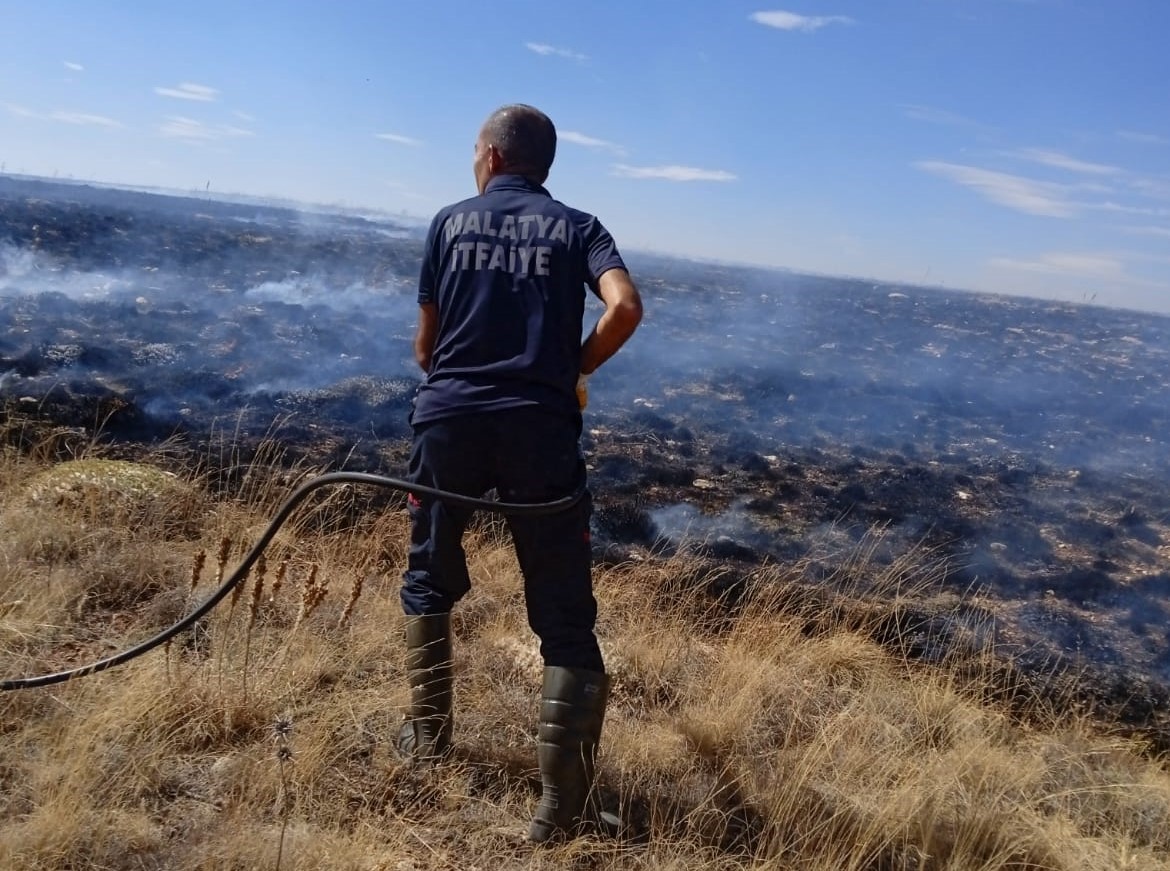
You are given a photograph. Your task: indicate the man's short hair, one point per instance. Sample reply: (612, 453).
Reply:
(526, 139)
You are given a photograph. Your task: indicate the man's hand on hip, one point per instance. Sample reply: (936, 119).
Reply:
(582, 391)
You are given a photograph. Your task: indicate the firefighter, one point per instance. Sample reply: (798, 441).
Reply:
(501, 296)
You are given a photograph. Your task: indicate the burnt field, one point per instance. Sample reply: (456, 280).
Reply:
(757, 418)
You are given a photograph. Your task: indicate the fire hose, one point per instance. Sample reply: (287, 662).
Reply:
(241, 572)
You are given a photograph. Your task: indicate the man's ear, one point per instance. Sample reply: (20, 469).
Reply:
(495, 159)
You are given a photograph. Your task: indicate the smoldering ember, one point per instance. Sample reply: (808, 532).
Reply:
(757, 418)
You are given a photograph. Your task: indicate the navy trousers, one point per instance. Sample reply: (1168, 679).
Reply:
(526, 455)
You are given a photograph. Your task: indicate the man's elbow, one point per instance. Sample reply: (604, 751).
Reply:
(623, 303)
(422, 355)
(628, 313)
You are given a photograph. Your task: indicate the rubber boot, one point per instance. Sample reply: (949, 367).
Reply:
(425, 735)
(571, 713)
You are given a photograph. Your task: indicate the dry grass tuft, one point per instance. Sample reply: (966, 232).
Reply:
(117, 493)
(786, 727)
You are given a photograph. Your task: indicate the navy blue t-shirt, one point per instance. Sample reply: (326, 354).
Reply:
(508, 272)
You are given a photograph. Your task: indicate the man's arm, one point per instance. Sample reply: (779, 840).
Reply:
(623, 313)
(424, 337)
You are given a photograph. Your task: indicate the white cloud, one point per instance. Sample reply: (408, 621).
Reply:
(672, 173)
(1015, 192)
(190, 91)
(1152, 186)
(1161, 232)
(589, 141)
(1146, 138)
(1063, 161)
(402, 190)
(791, 21)
(1107, 269)
(546, 50)
(178, 127)
(1095, 265)
(84, 119)
(76, 67)
(938, 116)
(20, 111)
(1119, 208)
(398, 138)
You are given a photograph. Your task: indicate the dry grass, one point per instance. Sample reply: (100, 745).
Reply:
(774, 732)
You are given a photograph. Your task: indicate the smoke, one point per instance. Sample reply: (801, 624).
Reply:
(271, 300)
(191, 303)
(794, 360)
(15, 264)
(734, 533)
(25, 272)
(352, 299)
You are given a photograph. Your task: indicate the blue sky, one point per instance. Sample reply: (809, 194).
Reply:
(1015, 146)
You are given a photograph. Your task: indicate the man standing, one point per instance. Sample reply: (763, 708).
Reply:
(501, 308)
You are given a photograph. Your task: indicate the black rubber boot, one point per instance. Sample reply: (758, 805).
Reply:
(426, 734)
(571, 713)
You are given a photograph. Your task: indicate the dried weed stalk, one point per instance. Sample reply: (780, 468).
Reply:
(354, 594)
(253, 612)
(282, 733)
(311, 595)
(278, 580)
(197, 568)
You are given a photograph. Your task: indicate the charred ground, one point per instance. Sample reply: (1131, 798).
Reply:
(757, 418)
